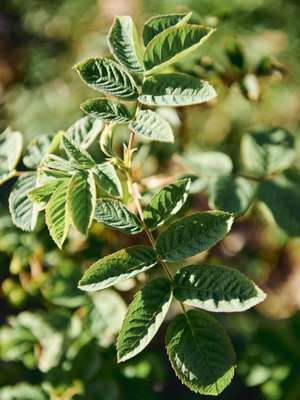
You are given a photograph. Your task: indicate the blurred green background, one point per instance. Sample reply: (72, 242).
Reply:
(57, 343)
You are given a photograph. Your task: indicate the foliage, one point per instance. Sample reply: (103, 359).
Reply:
(247, 172)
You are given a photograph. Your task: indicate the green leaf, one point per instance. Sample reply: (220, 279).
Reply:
(151, 125)
(107, 179)
(173, 44)
(117, 267)
(6, 176)
(76, 154)
(57, 216)
(58, 167)
(193, 234)
(157, 24)
(232, 194)
(282, 197)
(81, 200)
(36, 151)
(116, 215)
(209, 163)
(42, 193)
(11, 144)
(267, 151)
(144, 317)
(24, 213)
(108, 77)
(107, 110)
(175, 90)
(124, 43)
(200, 352)
(85, 131)
(216, 288)
(166, 203)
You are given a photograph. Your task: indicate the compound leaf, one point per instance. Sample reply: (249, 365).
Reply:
(216, 288)
(116, 215)
(172, 44)
(107, 110)
(166, 202)
(57, 216)
(124, 43)
(193, 234)
(175, 90)
(144, 317)
(108, 77)
(151, 125)
(81, 200)
(200, 352)
(117, 267)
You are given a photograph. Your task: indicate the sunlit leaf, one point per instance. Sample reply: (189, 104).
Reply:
(216, 288)
(57, 216)
(116, 215)
(117, 267)
(107, 179)
(151, 125)
(159, 23)
(124, 43)
(173, 44)
(76, 154)
(81, 200)
(85, 131)
(193, 234)
(108, 77)
(166, 202)
(144, 317)
(11, 144)
(107, 110)
(175, 90)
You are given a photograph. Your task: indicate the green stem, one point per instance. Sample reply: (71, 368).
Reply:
(133, 189)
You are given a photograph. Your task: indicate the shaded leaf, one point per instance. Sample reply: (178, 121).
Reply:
(166, 202)
(151, 125)
(36, 151)
(116, 215)
(57, 216)
(159, 23)
(107, 110)
(107, 179)
(117, 267)
(175, 90)
(209, 163)
(81, 200)
(24, 213)
(144, 317)
(124, 43)
(193, 234)
(232, 194)
(267, 151)
(216, 288)
(200, 352)
(282, 197)
(172, 44)
(108, 77)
